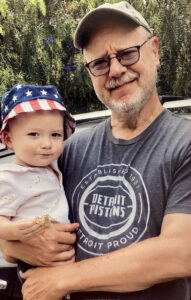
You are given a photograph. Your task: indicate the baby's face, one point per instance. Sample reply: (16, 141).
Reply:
(36, 137)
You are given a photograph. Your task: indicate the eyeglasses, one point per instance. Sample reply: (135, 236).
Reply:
(126, 57)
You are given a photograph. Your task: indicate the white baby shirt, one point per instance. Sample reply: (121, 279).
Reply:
(27, 192)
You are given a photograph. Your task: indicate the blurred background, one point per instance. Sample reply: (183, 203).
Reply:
(36, 47)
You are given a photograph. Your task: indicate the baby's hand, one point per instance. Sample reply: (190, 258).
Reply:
(45, 220)
(26, 229)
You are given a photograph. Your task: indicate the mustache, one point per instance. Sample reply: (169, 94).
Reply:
(113, 83)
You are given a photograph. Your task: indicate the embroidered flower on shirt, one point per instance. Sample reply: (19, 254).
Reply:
(37, 180)
(8, 199)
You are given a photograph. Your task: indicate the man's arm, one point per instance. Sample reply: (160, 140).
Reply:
(53, 247)
(160, 259)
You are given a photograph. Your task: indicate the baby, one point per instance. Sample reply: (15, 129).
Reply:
(34, 125)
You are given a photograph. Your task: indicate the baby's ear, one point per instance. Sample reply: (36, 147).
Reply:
(7, 139)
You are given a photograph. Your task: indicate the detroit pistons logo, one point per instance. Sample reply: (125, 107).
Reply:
(113, 208)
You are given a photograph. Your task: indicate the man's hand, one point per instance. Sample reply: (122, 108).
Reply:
(43, 284)
(26, 229)
(53, 247)
(19, 230)
(160, 258)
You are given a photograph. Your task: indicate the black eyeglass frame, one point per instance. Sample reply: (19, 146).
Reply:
(87, 65)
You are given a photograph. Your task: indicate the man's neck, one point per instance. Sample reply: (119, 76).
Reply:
(127, 127)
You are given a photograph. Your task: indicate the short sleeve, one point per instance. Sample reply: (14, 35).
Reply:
(179, 198)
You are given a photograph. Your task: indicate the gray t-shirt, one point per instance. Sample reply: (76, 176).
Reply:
(120, 190)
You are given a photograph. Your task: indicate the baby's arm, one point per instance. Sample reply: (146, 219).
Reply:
(19, 230)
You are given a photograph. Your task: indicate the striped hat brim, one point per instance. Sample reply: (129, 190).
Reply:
(40, 105)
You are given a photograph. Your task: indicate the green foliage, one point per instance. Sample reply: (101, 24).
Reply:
(36, 46)
(3, 8)
(175, 35)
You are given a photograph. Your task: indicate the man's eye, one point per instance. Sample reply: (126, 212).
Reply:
(33, 133)
(129, 54)
(99, 64)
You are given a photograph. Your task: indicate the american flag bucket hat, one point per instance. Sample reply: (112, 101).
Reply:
(30, 98)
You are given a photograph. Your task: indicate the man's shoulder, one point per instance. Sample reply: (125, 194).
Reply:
(175, 132)
(179, 118)
(178, 122)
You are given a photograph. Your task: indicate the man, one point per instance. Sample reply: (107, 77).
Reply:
(127, 180)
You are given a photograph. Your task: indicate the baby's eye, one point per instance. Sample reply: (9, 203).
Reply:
(33, 133)
(56, 134)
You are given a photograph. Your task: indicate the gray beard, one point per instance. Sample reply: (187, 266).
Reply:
(130, 110)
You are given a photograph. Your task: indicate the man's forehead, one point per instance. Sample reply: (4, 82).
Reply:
(108, 26)
(115, 35)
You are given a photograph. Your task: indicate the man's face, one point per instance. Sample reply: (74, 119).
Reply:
(124, 89)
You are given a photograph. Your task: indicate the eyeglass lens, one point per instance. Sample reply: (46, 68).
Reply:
(126, 58)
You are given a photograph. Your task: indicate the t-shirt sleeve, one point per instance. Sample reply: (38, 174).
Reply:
(179, 198)
(9, 201)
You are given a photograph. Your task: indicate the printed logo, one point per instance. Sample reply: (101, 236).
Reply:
(113, 208)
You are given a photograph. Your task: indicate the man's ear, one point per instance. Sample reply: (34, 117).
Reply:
(155, 44)
(7, 139)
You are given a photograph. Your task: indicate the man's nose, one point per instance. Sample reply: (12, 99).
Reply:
(116, 68)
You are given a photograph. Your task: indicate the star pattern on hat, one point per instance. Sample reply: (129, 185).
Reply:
(28, 93)
(43, 92)
(14, 98)
(30, 98)
(19, 86)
